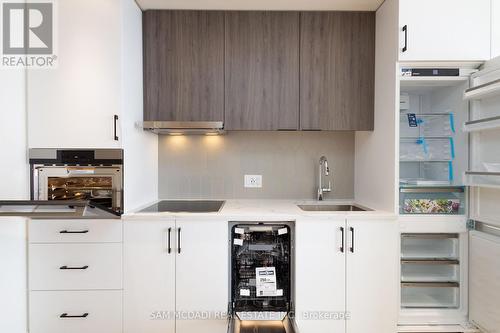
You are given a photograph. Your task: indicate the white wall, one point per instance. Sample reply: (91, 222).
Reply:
(204, 167)
(140, 148)
(14, 169)
(495, 28)
(376, 166)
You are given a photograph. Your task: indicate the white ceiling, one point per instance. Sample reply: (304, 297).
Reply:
(261, 4)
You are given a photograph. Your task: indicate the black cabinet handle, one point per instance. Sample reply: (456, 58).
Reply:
(342, 242)
(352, 239)
(69, 267)
(405, 30)
(115, 119)
(73, 232)
(179, 240)
(169, 246)
(65, 315)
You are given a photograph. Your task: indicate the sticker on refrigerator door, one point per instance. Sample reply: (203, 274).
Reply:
(265, 281)
(244, 292)
(238, 242)
(282, 231)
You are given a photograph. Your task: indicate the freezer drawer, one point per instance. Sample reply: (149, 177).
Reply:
(430, 270)
(430, 295)
(430, 246)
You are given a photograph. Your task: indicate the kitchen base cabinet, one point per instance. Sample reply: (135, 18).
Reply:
(347, 275)
(75, 282)
(372, 275)
(201, 275)
(320, 275)
(76, 311)
(75, 266)
(149, 276)
(176, 275)
(13, 281)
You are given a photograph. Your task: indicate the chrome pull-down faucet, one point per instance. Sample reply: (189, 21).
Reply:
(324, 170)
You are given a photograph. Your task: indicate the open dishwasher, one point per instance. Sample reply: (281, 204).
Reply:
(261, 277)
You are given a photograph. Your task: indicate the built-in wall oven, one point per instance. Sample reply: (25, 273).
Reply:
(78, 174)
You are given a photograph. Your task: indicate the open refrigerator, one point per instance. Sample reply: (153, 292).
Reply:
(449, 195)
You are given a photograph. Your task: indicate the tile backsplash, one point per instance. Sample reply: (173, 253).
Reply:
(200, 167)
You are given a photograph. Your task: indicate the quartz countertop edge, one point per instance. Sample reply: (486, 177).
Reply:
(265, 209)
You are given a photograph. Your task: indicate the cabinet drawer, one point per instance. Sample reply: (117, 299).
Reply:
(96, 311)
(75, 231)
(75, 266)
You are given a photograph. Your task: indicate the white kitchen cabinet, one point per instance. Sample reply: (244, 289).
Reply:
(202, 274)
(98, 77)
(444, 30)
(372, 274)
(76, 311)
(13, 276)
(75, 273)
(74, 105)
(320, 274)
(75, 231)
(75, 266)
(347, 270)
(149, 276)
(495, 28)
(190, 281)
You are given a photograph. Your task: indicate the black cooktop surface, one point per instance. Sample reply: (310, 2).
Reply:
(184, 206)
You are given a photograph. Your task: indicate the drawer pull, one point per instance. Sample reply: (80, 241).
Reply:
(73, 232)
(65, 315)
(69, 267)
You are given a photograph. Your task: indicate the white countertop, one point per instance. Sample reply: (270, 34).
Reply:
(262, 209)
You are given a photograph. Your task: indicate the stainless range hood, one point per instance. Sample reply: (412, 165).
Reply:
(184, 127)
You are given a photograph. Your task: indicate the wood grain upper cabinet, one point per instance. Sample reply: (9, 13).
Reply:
(262, 70)
(183, 65)
(337, 70)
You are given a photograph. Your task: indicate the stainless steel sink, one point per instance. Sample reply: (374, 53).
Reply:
(331, 208)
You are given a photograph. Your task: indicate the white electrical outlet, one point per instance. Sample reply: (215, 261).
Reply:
(254, 181)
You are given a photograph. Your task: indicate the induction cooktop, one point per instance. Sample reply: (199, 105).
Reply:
(184, 206)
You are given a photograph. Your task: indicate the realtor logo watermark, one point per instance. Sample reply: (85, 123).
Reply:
(28, 34)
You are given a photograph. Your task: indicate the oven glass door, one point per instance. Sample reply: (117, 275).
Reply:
(102, 185)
